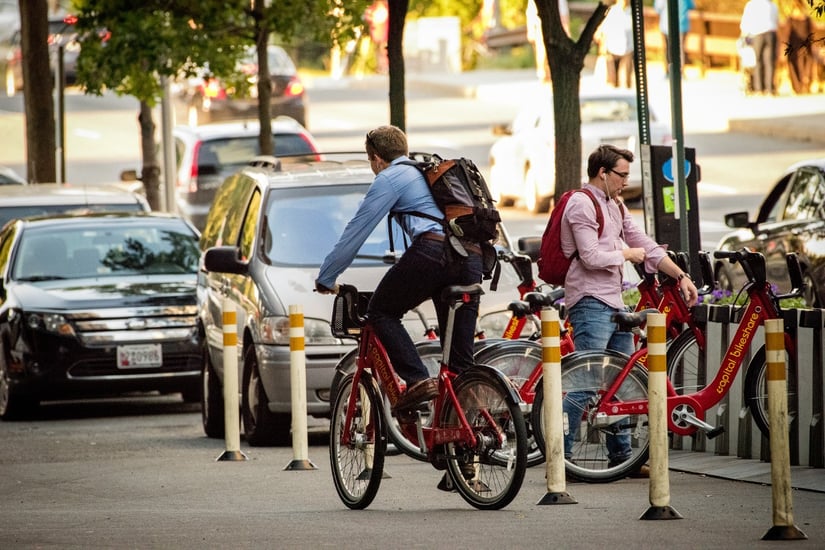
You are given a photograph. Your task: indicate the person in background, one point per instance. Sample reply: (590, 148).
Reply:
(616, 42)
(593, 286)
(684, 26)
(535, 36)
(760, 20)
(420, 274)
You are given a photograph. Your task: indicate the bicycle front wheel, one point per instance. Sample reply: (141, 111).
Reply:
(597, 448)
(517, 359)
(756, 390)
(686, 365)
(357, 465)
(489, 475)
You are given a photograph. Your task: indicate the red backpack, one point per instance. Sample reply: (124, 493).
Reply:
(552, 262)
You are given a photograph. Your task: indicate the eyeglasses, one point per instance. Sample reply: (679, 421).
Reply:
(623, 175)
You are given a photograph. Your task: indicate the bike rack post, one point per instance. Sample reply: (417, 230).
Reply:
(554, 436)
(298, 385)
(783, 526)
(659, 492)
(231, 406)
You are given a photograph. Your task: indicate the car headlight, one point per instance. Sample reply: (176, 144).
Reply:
(275, 330)
(50, 322)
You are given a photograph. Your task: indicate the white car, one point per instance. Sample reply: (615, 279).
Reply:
(522, 161)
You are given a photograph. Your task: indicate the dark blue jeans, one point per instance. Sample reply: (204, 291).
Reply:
(593, 330)
(421, 273)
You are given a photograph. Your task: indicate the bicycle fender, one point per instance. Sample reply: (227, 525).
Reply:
(494, 376)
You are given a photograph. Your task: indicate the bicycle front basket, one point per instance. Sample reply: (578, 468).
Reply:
(348, 312)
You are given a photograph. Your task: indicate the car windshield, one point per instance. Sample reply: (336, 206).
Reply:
(608, 110)
(227, 156)
(84, 251)
(302, 226)
(13, 212)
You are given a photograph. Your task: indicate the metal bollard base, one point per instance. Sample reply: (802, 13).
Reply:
(661, 512)
(784, 532)
(557, 498)
(231, 456)
(300, 465)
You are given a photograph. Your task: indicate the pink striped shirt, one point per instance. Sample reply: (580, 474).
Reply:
(599, 269)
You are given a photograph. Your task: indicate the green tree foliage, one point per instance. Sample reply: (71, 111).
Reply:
(128, 46)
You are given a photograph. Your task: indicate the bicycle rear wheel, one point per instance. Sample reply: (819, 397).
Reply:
(756, 391)
(517, 359)
(588, 439)
(489, 475)
(686, 365)
(358, 466)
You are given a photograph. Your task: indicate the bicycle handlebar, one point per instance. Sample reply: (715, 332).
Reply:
(753, 264)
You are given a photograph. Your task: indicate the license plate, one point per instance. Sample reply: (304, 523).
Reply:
(139, 356)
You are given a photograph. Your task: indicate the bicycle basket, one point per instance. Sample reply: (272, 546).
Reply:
(348, 312)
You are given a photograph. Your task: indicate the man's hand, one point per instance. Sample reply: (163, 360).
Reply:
(634, 255)
(324, 290)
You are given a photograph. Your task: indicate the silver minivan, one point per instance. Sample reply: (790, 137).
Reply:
(265, 238)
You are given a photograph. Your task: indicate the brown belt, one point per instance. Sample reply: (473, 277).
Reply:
(469, 247)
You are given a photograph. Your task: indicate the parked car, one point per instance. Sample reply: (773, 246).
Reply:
(97, 305)
(207, 99)
(206, 155)
(10, 177)
(19, 201)
(522, 161)
(61, 32)
(266, 236)
(790, 219)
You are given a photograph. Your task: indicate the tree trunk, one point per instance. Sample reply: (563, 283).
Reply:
(41, 142)
(566, 59)
(150, 174)
(395, 58)
(265, 140)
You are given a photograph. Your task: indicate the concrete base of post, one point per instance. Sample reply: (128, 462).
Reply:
(300, 465)
(661, 512)
(231, 456)
(557, 498)
(784, 532)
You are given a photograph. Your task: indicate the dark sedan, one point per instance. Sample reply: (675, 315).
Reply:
(790, 219)
(97, 305)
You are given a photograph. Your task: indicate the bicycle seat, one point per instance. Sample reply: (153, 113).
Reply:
(456, 293)
(537, 300)
(520, 308)
(628, 320)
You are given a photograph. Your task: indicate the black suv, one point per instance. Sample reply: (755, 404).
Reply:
(790, 219)
(266, 235)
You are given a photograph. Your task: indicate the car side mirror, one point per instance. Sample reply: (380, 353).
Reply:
(736, 219)
(530, 246)
(225, 259)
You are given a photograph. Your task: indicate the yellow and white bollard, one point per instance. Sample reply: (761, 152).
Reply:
(659, 493)
(231, 405)
(298, 385)
(553, 417)
(783, 527)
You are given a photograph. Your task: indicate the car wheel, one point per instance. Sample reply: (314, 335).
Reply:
(723, 279)
(13, 404)
(11, 85)
(809, 294)
(261, 426)
(212, 403)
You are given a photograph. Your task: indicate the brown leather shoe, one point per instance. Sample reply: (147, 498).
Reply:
(642, 473)
(421, 391)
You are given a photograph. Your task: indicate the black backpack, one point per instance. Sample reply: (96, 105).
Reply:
(470, 215)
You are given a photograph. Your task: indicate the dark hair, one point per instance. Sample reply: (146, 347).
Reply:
(386, 142)
(606, 156)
